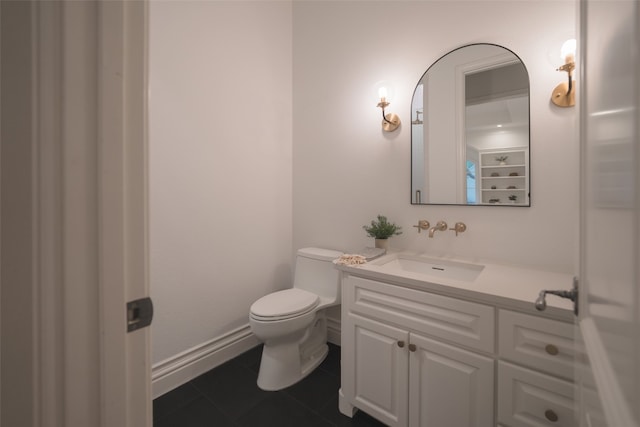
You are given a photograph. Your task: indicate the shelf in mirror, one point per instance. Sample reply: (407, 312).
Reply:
(499, 181)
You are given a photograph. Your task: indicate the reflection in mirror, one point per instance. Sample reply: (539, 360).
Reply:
(470, 130)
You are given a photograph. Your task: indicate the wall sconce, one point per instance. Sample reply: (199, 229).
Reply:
(418, 120)
(564, 95)
(391, 121)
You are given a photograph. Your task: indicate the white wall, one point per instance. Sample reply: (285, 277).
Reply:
(346, 170)
(220, 162)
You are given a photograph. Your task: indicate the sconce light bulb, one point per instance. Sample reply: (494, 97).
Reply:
(390, 121)
(568, 51)
(382, 93)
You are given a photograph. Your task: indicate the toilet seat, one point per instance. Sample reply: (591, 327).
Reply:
(284, 304)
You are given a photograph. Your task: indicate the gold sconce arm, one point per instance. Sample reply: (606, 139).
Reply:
(391, 121)
(564, 95)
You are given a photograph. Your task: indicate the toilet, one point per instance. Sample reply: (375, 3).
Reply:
(292, 323)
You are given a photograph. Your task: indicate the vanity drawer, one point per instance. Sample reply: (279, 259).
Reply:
(457, 321)
(531, 399)
(537, 342)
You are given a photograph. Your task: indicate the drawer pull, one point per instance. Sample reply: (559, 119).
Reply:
(400, 344)
(551, 415)
(412, 347)
(551, 349)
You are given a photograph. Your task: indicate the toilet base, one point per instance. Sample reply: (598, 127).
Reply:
(284, 364)
(277, 373)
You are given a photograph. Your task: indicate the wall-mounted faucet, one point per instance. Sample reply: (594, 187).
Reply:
(423, 224)
(440, 226)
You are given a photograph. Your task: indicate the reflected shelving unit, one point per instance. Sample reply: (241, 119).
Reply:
(501, 181)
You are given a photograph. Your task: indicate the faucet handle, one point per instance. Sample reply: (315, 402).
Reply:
(423, 224)
(460, 227)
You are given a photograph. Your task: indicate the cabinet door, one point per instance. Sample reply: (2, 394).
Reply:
(376, 370)
(528, 398)
(449, 386)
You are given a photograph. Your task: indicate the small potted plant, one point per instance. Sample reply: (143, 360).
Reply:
(381, 230)
(502, 160)
(513, 198)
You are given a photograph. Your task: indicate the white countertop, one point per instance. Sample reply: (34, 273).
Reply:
(505, 286)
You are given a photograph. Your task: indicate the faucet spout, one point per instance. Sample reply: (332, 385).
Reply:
(440, 226)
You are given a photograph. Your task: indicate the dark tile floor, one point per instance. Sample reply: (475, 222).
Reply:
(228, 396)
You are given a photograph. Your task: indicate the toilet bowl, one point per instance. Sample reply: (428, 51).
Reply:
(292, 323)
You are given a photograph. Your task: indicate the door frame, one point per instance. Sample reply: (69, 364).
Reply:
(84, 151)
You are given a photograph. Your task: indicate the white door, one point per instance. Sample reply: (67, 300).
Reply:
(84, 129)
(609, 317)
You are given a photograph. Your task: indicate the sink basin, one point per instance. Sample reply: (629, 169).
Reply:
(432, 267)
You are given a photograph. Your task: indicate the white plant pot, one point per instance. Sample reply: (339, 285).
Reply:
(382, 243)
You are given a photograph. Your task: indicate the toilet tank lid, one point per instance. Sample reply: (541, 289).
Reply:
(319, 253)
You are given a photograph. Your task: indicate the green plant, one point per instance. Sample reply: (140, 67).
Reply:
(502, 158)
(513, 197)
(382, 229)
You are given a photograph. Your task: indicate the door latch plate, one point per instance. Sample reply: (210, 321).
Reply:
(139, 314)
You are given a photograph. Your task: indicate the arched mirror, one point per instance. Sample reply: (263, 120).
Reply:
(470, 130)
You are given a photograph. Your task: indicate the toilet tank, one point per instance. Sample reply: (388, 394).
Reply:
(315, 272)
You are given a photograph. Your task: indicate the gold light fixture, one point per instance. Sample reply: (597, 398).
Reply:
(391, 121)
(564, 95)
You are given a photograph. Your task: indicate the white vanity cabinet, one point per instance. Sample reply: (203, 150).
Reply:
(417, 358)
(397, 366)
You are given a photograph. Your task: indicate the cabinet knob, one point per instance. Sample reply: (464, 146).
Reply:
(412, 347)
(400, 344)
(551, 415)
(551, 349)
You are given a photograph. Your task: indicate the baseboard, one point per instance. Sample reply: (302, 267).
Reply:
(185, 366)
